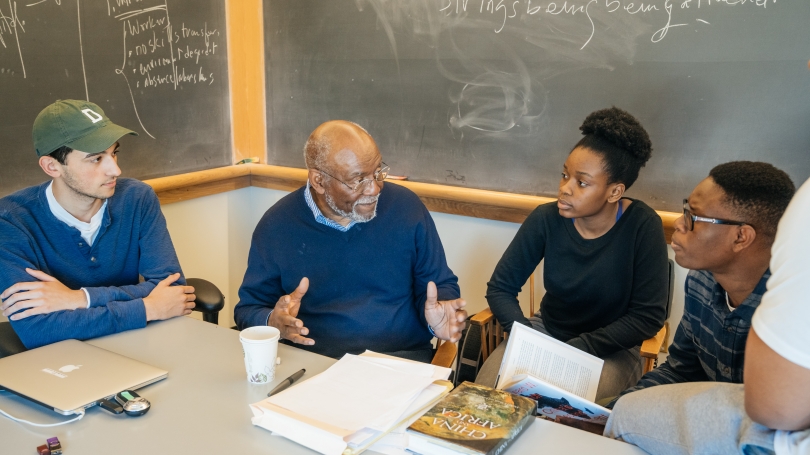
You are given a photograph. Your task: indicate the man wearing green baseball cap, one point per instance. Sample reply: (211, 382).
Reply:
(74, 247)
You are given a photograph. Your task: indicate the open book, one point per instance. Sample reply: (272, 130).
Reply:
(559, 377)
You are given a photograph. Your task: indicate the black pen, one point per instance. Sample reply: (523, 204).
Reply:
(287, 382)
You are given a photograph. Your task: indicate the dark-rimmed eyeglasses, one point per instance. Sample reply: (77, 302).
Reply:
(689, 218)
(379, 175)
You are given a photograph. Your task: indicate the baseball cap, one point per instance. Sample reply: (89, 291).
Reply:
(80, 125)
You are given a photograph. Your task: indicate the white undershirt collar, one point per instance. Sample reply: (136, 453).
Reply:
(88, 231)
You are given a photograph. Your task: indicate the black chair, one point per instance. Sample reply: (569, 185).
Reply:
(209, 302)
(10, 343)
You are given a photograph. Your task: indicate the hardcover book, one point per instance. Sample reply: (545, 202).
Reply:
(471, 420)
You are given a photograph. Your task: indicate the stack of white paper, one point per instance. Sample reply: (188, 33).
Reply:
(352, 404)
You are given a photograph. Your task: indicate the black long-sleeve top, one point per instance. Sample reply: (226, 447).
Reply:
(602, 295)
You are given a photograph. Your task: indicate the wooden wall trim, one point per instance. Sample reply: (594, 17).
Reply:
(246, 72)
(472, 202)
(277, 177)
(193, 179)
(193, 185)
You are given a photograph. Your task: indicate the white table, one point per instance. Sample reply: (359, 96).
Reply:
(202, 407)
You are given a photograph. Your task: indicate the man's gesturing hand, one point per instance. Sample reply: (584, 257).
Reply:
(44, 296)
(167, 301)
(446, 318)
(284, 315)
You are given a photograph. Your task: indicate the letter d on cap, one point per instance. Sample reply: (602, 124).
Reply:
(92, 115)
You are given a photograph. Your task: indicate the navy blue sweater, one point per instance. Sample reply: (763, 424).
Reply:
(367, 286)
(132, 240)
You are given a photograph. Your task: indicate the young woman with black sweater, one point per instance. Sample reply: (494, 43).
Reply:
(605, 272)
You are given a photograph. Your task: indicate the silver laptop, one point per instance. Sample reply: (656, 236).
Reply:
(70, 375)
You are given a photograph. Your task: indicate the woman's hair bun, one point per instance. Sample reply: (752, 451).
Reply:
(621, 129)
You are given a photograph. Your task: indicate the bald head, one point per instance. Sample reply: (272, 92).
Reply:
(344, 162)
(338, 140)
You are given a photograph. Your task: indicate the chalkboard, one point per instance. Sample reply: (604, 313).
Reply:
(158, 67)
(490, 93)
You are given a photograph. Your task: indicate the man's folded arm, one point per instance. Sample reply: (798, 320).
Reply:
(102, 296)
(155, 265)
(81, 324)
(17, 255)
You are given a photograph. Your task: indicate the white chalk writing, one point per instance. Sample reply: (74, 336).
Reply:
(156, 53)
(10, 24)
(503, 12)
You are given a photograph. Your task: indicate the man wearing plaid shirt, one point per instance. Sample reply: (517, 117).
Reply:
(724, 238)
(709, 344)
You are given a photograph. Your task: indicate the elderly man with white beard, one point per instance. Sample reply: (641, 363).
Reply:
(340, 266)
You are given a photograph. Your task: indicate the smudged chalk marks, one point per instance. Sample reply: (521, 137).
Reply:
(495, 97)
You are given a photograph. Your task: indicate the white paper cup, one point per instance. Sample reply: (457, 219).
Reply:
(260, 346)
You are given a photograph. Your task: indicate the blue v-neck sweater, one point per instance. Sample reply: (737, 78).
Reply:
(367, 286)
(132, 240)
